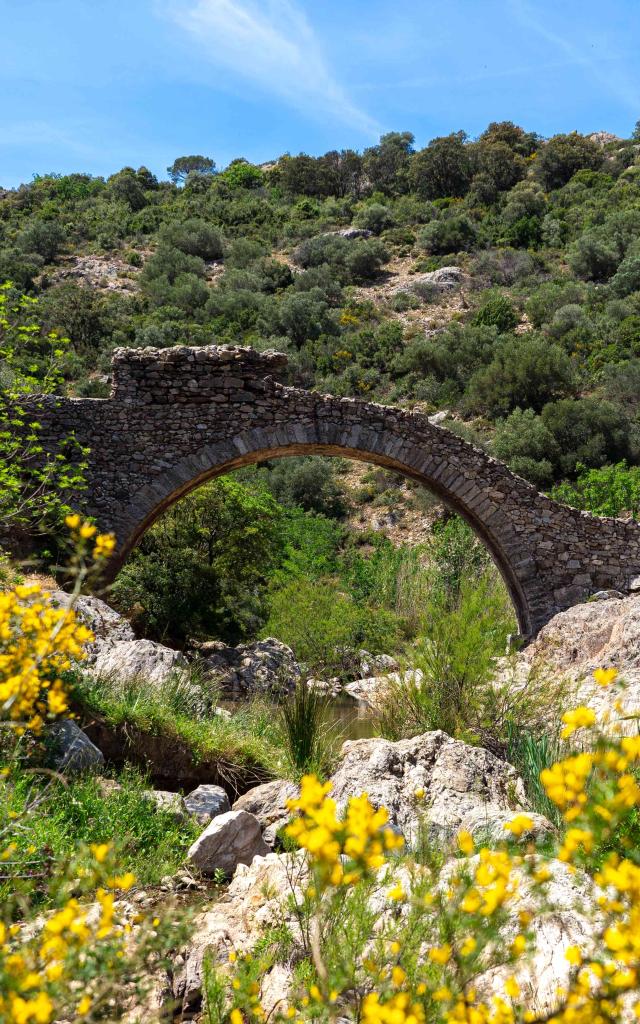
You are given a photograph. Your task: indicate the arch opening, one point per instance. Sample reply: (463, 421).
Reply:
(182, 480)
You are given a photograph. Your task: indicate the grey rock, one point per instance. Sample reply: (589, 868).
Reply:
(573, 644)
(328, 687)
(372, 690)
(228, 840)
(265, 666)
(376, 664)
(602, 138)
(207, 802)
(268, 802)
(258, 896)
(74, 751)
(569, 918)
(488, 826)
(446, 279)
(353, 232)
(606, 595)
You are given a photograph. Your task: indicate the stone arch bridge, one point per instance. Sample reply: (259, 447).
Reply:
(179, 416)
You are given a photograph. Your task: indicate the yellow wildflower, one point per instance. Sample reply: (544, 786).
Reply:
(440, 954)
(465, 843)
(605, 676)
(580, 718)
(521, 823)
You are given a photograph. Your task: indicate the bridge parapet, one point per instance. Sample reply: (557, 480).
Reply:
(188, 375)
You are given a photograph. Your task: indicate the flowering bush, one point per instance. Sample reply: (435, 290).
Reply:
(390, 940)
(87, 953)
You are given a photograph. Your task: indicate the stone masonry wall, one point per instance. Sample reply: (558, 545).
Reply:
(179, 416)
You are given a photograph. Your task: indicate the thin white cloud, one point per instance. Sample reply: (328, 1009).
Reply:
(611, 76)
(44, 133)
(272, 44)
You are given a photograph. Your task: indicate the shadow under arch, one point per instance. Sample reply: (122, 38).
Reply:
(191, 472)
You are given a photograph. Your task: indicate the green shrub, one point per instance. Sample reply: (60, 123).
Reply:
(606, 491)
(528, 373)
(456, 659)
(527, 446)
(503, 266)
(308, 483)
(443, 168)
(43, 237)
(559, 159)
(374, 217)
(551, 296)
(324, 626)
(194, 236)
(498, 311)
(448, 235)
(202, 568)
(627, 277)
(530, 754)
(587, 431)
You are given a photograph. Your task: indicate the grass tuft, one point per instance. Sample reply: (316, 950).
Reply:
(307, 736)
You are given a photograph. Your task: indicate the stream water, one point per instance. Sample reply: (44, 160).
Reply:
(349, 719)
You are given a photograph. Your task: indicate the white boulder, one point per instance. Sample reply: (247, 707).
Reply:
(228, 840)
(145, 660)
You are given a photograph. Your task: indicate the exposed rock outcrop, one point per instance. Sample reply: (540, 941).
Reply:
(568, 917)
(107, 625)
(460, 786)
(353, 232)
(207, 802)
(446, 279)
(169, 803)
(128, 660)
(597, 634)
(256, 899)
(370, 691)
(259, 897)
(268, 803)
(376, 664)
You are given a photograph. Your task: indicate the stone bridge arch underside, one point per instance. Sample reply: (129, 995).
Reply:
(180, 416)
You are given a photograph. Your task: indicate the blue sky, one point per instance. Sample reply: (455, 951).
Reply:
(93, 85)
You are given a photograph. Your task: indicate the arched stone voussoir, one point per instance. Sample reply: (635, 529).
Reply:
(178, 417)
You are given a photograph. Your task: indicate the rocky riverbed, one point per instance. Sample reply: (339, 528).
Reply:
(432, 785)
